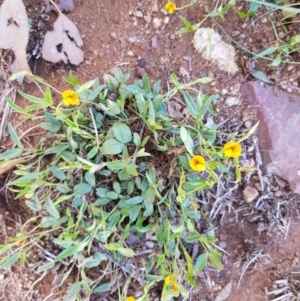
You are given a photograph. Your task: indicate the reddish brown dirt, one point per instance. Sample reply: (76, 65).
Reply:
(106, 26)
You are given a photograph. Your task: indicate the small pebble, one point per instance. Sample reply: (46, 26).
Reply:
(250, 194)
(164, 11)
(166, 20)
(264, 20)
(156, 22)
(113, 34)
(147, 18)
(139, 14)
(277, 193)
(142, 63)
(155, 8)
(232, 101)
(132, 39)
(224, 91)
(130, 53)
(248, 124)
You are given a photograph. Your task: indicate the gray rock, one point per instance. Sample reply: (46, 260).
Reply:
(132, 39)
(232, 101)
(250, 194)
(279, 130)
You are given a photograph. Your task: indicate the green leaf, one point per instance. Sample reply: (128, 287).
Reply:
(46, 266)
(66, 253)
(56, 149)
(200, 263)
(15, 107)
(214, 258)
(82, 188)
(32, 98)
(115, 165)
(135, 200)
(28, 177)
(187, 140)
(12, 153)
(10, 260)
(85, 86)
(51, 208)
(74, 290)
(191, 105)
(48, 221)
(59, 174)
(48, 97)
(14, 135)
(122, 132)
(160, 237)
(146, 83)
(49, 127)
(112, 147)
(112, 195)
(90, 178)
(126, 252)
(131, 169)
(105, 287)
(52, 120)
(265, 52)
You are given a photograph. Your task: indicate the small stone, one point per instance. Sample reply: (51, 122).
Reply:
(277, 193)
(142, 63)
(222, 244)
(139, 14)
(232, 101)
(248, 124)
(164, 11)
(156, 22)
(154, 8)
(149, 244)
(224, 91)
(281, 35)
(250, 194)
(132, 39)
(166, 20)
(264, 20)
(244, 25)
(146, 46)
(113, 34)
(130, 53)
(147, 18)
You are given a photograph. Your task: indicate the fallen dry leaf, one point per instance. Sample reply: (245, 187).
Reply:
(14, 32)
(62, 44)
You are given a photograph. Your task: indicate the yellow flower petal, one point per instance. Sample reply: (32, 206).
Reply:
(70, 98)
(170, 7)
(168, 280)
(173, 286)
(232, 149)
(130, 298)
(197, 163)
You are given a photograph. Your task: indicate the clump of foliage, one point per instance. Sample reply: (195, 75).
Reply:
(114, 166)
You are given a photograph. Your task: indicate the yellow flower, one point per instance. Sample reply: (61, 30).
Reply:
(130, 298)
(232, 149)
(197, 163)
(70, 98)
(173, 284)
(170, 7)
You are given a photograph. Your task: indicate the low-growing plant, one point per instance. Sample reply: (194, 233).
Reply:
(113, 167)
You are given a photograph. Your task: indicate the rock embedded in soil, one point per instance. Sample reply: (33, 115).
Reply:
(209, 44)
(279, 130)
(232, 101)
(250, 194)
